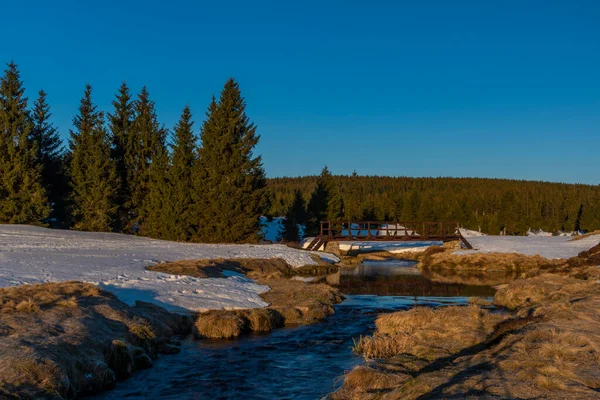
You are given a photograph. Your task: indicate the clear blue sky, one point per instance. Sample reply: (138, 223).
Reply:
(446, 88)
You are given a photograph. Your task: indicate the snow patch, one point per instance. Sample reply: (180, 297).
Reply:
(549, 247)
(116, 262)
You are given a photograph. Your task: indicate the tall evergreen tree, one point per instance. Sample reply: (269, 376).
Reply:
(295, 216)
(318, 205)
(149, 141)
(22, 195)
(411, 206)
(51, 158)
(352, 198)
(93, 176)
(184, 158)
(230, 179)
(124, 152)
(159, 213)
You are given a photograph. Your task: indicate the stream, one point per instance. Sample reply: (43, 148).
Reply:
(302, 362)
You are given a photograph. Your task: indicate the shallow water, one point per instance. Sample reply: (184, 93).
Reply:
(305, 362)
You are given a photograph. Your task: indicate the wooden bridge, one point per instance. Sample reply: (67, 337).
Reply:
(377, 231)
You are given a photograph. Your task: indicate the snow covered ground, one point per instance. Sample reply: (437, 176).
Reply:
(549, 247)
(116, 262)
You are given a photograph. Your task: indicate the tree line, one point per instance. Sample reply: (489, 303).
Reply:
(123, 171)
(489, 205)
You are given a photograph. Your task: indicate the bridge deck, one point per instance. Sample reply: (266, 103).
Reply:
(385, 231)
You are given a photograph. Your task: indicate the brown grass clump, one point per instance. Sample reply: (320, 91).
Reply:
(220, 324)
(479, 301)
(39, 372)
(428, 333)
(363, 380)
(27, 306)
(263, 319)
(71, 302)
(543, 288)
(66, 340)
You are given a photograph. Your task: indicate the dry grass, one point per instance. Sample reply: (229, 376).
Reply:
(27, 306)
(427, 333)
(543, 289)
(33, 298)
(263, 319)
(64, 340)
(479, 301)
(220, 324)
(550, 348)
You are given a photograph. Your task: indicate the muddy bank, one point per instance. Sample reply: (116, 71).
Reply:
(65, 340)
(547, 346)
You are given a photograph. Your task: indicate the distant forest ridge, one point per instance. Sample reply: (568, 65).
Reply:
(486, 204)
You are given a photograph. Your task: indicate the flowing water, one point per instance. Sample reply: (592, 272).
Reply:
(304, 362)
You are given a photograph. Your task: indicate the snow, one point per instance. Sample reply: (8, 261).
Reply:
(548, 247)
(541, 233)
(470, 233)
(117, 262)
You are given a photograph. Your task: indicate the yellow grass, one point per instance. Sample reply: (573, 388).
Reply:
(218, 324)
(427, 333)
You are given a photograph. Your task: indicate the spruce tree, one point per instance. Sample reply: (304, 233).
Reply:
(124, 152)
(184, 158)
(411, 206)
(93, 176)
(51, 158)
(159, 213)
(353, 198)
(335, 204)
(230, 179)
(149, 141)
(319, 201)
(22, 195)
(295, 216)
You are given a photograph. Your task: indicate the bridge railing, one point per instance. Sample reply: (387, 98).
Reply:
(386, 230)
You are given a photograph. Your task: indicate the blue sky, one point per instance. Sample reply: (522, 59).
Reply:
(434, 88)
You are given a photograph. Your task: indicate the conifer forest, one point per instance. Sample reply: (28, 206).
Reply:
(123, 171)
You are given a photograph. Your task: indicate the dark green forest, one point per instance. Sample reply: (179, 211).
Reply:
(124, 171)
(487, 204)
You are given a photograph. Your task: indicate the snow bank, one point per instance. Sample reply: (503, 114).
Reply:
(548, 247)
(470, 233)
(116, 262)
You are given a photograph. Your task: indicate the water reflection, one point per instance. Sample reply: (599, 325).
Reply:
(402, 278)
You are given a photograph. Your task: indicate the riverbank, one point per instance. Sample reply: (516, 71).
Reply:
(289, 302)
(69, 339)
(547, 346)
